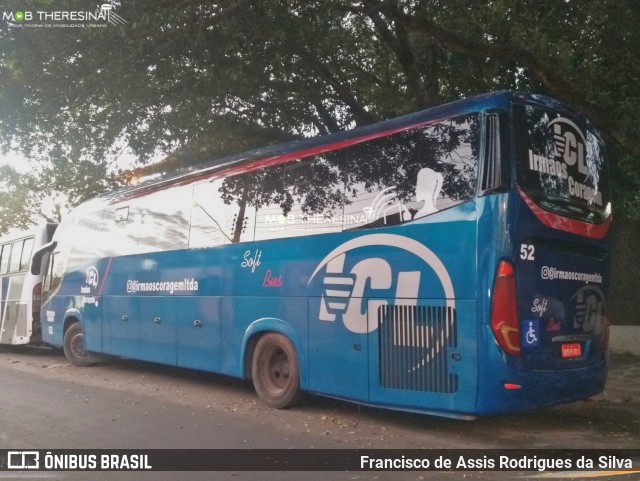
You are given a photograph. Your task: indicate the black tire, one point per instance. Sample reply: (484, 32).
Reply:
(74, 347)
(275, 371)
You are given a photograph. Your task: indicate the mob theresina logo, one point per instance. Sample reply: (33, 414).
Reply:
(102, 14)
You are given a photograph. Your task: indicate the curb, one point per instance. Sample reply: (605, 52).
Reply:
(624, 340)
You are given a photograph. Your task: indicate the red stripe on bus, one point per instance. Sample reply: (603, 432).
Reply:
(220, 171)
(105, 276)
(301, 154)
(556, 221)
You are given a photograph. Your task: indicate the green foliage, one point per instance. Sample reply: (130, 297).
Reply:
(195, 80)
(17, 199)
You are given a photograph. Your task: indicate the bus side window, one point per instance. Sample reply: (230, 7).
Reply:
(46, 282)
(5, 251)
(304, 197)
(221, 213)
(492, 169)
(16, 252)
(27, 249)
(155, 222)
(51, 278)
(413, 173)
(159, 221)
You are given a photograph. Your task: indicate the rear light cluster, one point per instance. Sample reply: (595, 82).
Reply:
(504, 309)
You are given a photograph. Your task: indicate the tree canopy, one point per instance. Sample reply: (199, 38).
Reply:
(193, 80)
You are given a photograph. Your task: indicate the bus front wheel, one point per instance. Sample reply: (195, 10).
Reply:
(74, 346)
(275, 371)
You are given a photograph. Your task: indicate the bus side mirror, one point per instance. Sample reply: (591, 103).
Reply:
(36, 259)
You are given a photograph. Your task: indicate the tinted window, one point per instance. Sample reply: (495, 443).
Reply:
(412, 174)
(393, 179)
(84, 237)
(493, 175)
(562, 164)
(161, 220)
(303, 197)
(53, 276)
(158, 221)
(221, 214)
(16, 252)
(27, 249)
(5, 252)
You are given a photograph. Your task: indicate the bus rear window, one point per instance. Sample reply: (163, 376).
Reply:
(561, 164)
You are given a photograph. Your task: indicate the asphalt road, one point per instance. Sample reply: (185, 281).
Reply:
(45, 403)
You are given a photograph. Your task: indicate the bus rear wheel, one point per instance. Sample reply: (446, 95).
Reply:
(275, 371)
(73, 346)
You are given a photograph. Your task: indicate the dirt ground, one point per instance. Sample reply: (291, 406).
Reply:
(611, 420)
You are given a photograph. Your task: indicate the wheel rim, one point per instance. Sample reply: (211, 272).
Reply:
(276, 370)
(77, 345)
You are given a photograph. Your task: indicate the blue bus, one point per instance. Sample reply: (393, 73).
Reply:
(454, 261)
(20, 291)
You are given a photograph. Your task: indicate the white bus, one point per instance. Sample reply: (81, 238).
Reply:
(20, 291)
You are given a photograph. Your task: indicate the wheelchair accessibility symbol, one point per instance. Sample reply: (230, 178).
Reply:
(530, 333)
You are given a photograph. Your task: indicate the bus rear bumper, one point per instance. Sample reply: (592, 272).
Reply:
(523, 391)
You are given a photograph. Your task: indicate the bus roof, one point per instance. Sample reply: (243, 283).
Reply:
(277, 153)
(15, 235)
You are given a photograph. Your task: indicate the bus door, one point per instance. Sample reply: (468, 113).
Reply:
(15, 312)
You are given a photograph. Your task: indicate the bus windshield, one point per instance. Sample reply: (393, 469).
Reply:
(561, 165)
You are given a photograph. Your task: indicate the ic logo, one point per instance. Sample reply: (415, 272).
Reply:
(91, 280)
(569, 143)
(344, 292)
(589, 310)
(91, 277)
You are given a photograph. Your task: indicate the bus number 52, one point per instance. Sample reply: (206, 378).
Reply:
(527, 252)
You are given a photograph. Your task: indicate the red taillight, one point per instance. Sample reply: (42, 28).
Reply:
(511, 387)
(504, 310)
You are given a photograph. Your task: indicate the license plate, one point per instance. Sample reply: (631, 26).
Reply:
(571, 351)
